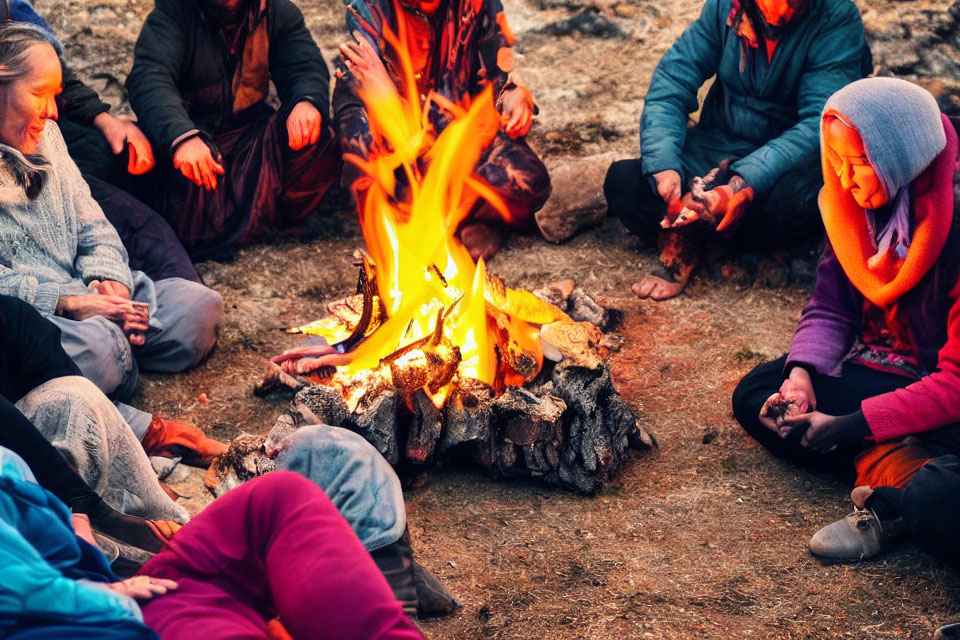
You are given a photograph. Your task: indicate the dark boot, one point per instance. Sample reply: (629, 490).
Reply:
(419, 591)
(395, 562)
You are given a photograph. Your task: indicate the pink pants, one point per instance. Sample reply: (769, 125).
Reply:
(275, 546)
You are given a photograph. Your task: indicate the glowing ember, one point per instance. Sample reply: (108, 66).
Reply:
(434, 316)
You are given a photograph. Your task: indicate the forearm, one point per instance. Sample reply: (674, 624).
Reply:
(41, 296)
(672, 95)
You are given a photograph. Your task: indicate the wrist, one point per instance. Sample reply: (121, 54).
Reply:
(103, 121)
(63, 306)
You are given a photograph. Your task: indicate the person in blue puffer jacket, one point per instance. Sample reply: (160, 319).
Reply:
(756, 145)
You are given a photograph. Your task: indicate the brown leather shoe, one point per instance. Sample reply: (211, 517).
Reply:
(857, 537)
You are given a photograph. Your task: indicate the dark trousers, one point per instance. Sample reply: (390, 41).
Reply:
(788, 214)
(49, 467)
(151, 244)
(266, 187)
(928, 502)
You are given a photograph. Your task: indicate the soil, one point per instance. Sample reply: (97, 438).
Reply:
(704, 537)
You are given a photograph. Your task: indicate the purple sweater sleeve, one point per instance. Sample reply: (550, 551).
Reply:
(830, 321)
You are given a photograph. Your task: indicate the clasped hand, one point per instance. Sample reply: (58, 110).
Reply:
(112, 301)
(792, 409)
(720, 205)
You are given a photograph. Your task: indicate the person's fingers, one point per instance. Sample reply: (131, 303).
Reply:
(116, 140)
(527, 122)
(688, 217)
(351, 54)
(141, 156)
(301, 132)
(168, 584)
(135, 326)
(293, 138)
(186, 169)
(137, 339)
(768, 423)
(205, 175)
(797, 418)
(513, 121)
(315, 127)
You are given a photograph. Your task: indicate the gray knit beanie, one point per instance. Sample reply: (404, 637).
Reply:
(899, 123)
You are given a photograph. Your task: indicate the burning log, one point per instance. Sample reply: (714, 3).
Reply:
(467, 419)
(423, 436)
(568, 426)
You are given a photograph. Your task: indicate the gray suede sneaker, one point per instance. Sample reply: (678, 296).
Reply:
(857, 537)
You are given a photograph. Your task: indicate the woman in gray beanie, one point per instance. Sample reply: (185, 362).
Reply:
(873, 374)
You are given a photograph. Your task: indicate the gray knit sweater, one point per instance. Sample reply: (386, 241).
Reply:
(58, 243)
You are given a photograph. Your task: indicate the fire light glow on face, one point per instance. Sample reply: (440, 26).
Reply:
(31, 100)
(847, 156)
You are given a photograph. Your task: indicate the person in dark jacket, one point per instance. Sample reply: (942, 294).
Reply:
(776, 63)
(230, 163)
(110, 151)
(872, 379)
(455, 48)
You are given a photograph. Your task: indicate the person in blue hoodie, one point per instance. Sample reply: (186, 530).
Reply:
(751, 162)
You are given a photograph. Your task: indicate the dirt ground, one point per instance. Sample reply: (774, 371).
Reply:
(704, 537)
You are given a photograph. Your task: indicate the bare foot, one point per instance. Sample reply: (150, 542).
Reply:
(660, 285)
(481, 240)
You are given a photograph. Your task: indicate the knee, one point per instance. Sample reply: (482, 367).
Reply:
(931, 507)
(741, 401)
(619, 176)
(206, 312)
(108, 362)
(616, 176)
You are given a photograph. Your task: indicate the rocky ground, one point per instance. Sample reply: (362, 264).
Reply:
(703, 538)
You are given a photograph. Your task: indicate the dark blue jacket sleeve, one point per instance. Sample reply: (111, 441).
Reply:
(672, 96)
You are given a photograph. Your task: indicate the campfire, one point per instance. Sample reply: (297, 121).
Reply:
(435, 358)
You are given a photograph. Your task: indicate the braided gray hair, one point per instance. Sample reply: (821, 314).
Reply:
(16, 39)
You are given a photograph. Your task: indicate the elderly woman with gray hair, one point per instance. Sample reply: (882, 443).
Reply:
(60, 254)
(872, 379)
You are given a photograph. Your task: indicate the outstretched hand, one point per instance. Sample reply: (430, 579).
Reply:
(303, 125)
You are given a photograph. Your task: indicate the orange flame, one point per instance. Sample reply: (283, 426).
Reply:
(424, 274)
